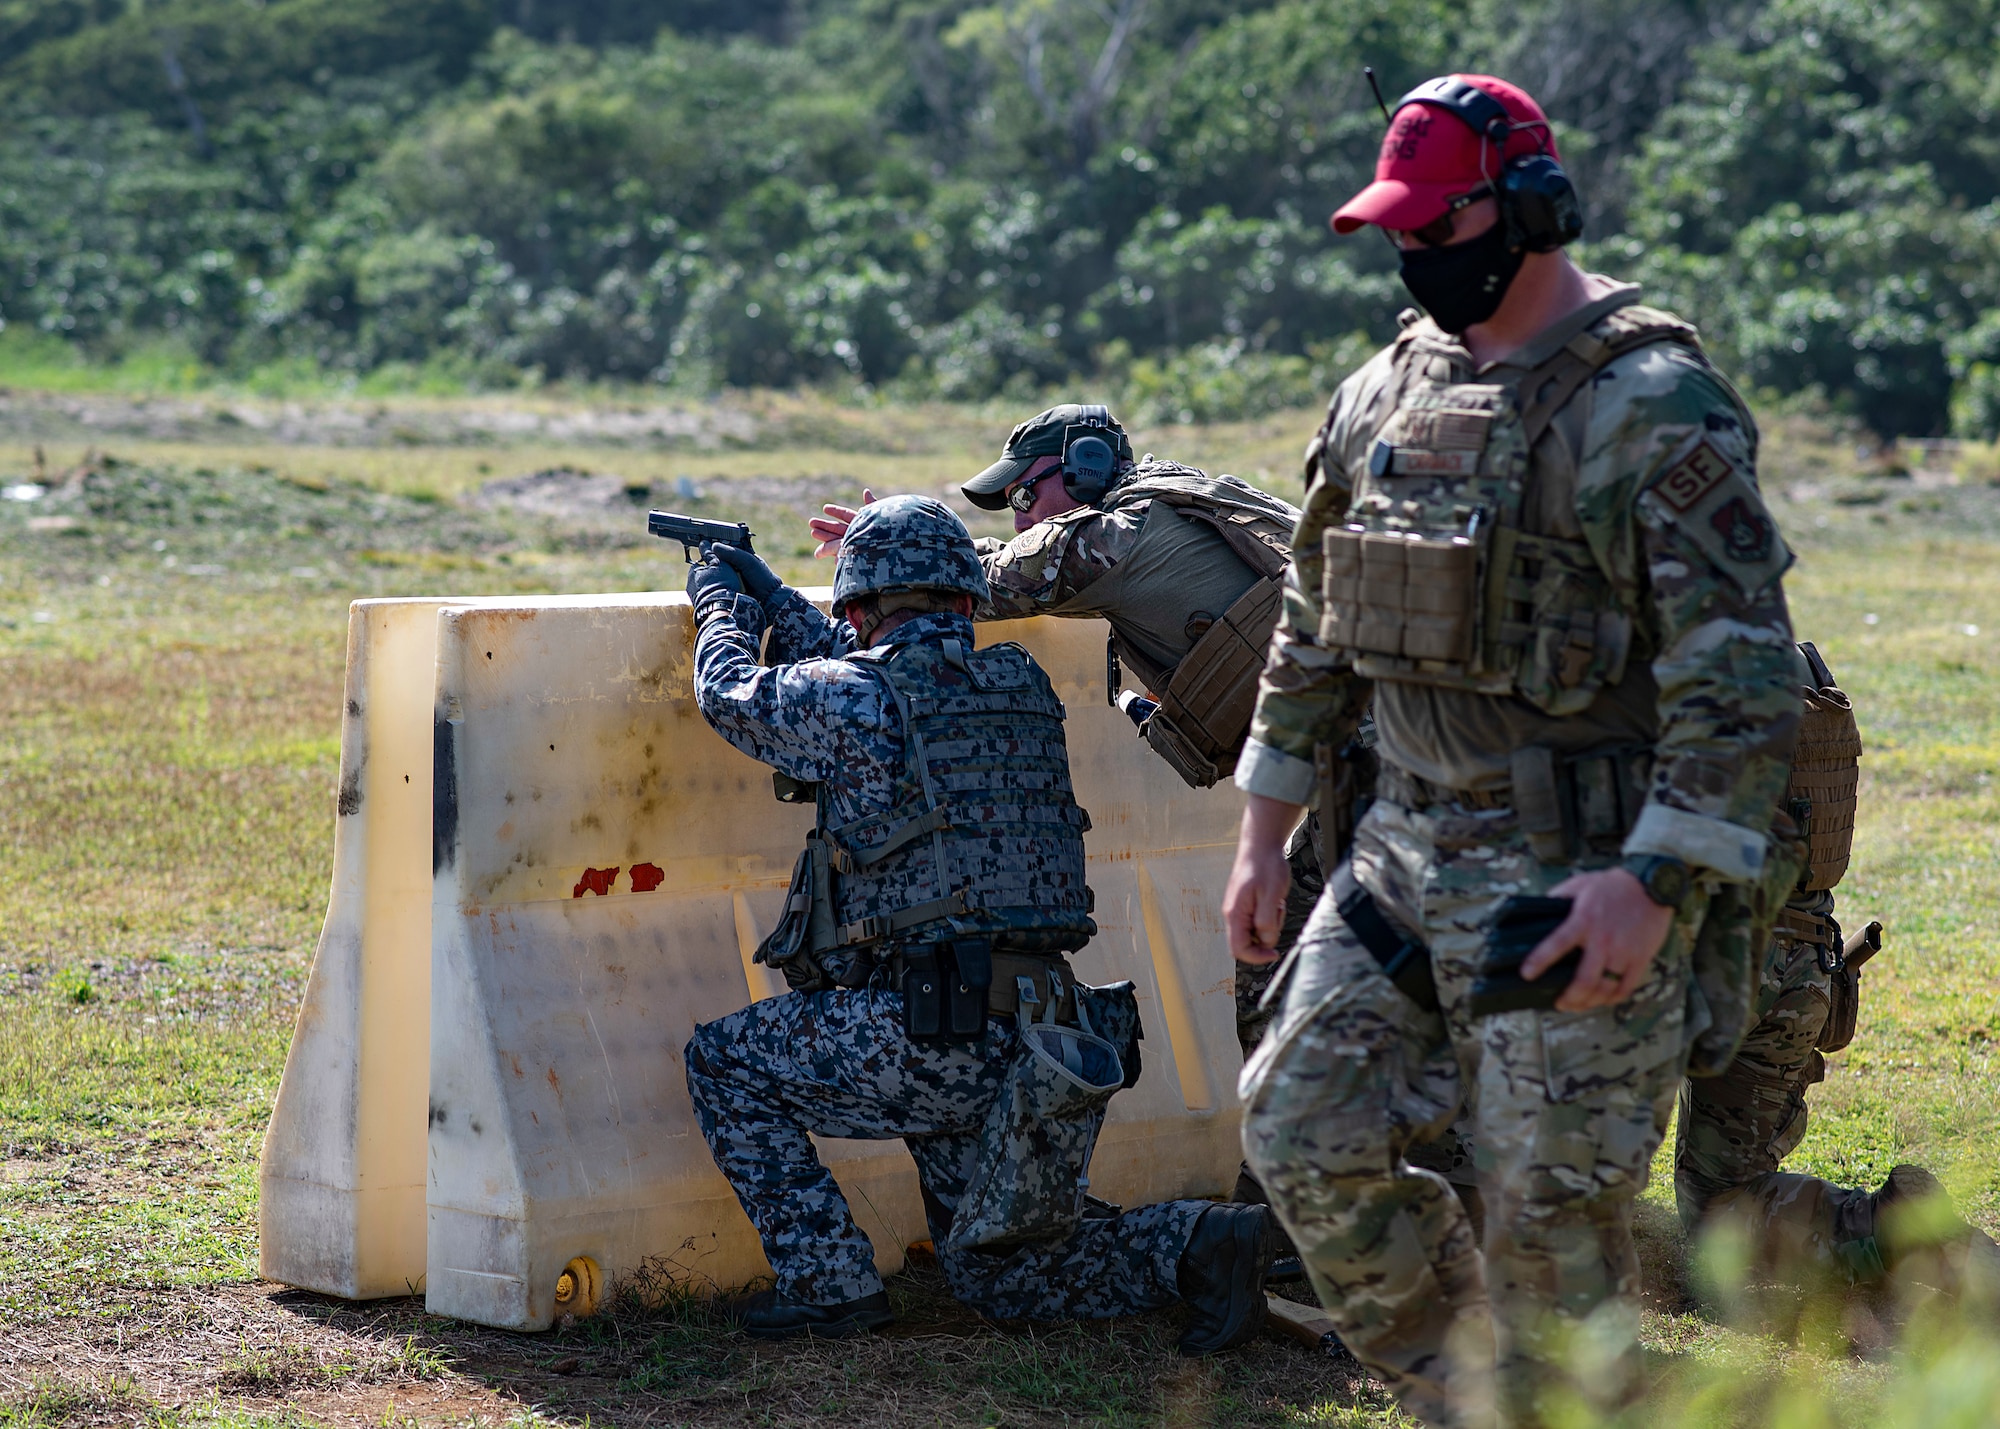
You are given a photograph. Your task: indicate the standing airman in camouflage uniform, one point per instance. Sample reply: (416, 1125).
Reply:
(1185, 567)
(1533, 538)
(939, 892)
(1736, 1128)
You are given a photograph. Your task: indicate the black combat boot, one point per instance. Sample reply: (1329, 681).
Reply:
(1286, 1263)
(1222, 1278)
(771, 1315)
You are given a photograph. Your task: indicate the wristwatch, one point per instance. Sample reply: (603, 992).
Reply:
(1666, 880)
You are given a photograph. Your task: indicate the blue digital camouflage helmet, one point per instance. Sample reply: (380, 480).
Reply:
(906, 543)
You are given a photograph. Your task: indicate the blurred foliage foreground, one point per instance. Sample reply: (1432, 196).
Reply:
(171, 632)
(942, 198)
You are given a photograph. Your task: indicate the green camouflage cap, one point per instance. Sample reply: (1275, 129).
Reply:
(1035, 438)
(906, 543)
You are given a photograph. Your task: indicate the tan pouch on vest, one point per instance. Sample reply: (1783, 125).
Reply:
(1205, 709)
(1412, 596)
(1826, 773)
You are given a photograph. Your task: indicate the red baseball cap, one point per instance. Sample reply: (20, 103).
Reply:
(1431, 156)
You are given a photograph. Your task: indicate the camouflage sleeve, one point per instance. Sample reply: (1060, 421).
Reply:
(800, 632)
(802, 719)
(1308, 695)
(1667, 492)
(1048, 565)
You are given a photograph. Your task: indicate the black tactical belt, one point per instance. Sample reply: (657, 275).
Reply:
(1405, 961)
(949, 988)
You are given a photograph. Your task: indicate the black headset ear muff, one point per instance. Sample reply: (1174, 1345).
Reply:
(1539, 204)
(1089, 459)
(1537, 201)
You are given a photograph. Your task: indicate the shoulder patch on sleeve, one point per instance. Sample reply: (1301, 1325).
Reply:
(1693, 477)
(1717, 508)
(1031, 561)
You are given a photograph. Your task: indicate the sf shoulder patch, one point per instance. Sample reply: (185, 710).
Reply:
(1716, 507)
(1693, 477)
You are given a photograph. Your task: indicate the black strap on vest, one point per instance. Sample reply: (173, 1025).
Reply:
(1405, 961)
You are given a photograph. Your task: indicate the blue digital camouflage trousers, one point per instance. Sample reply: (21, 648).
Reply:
(837, 1063)
(1564, 1112)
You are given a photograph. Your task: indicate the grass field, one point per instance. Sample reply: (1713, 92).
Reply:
(172, 613)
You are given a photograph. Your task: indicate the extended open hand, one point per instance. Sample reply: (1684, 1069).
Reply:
(830, 529)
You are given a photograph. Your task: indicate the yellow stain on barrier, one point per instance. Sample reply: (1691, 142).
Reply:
(1197, 1093)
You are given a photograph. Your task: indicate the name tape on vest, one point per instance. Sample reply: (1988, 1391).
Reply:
(1418, 461)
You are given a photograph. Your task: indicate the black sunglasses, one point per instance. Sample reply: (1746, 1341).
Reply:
(1021, 495)
(1437, 232)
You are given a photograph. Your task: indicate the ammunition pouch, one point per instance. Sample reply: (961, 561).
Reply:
(1028, 1183)
(1113, 1010)
(1410, 596)
(950, 988)
(1496, 611)
(945, 989)
(1207, 703)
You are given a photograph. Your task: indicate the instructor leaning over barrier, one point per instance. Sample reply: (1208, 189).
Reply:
(924, 939)
(1533, 534)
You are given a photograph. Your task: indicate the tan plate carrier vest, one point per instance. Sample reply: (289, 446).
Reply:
(1433, 577)
(1207, 698)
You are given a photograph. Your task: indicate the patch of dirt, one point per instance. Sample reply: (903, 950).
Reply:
(50, 416)
(565, 492)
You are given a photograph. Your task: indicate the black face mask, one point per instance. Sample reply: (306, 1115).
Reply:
(1462, 283)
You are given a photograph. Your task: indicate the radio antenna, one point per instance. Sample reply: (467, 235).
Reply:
(1380, 102)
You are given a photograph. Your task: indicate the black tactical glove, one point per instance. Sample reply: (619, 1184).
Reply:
(712, 585)
(760, 582)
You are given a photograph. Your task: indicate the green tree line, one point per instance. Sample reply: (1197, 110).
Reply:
(938, 198)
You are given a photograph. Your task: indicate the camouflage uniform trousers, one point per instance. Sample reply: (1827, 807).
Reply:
(837, 1063)
(1565, 1112)
(1449, 1153)
(1735, 1129)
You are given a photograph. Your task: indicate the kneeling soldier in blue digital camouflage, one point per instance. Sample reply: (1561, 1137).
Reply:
(925, 937)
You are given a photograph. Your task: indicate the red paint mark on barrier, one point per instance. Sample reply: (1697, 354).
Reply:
(594, 880)
(647, 876)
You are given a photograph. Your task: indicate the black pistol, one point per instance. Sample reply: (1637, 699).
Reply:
(695, 534)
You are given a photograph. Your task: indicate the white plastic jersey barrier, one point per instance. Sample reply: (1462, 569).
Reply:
(604, 866)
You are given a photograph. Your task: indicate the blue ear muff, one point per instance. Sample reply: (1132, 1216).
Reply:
(1088, 462)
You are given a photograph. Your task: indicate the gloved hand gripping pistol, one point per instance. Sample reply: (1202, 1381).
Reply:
(727, 561)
